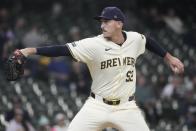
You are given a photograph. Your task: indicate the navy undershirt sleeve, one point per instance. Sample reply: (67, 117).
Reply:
(62, 50)
(54, 51)
(154, 47)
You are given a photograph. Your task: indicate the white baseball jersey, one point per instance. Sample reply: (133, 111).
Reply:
(112, 66)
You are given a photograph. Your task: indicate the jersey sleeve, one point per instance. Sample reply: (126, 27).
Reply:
(142, 44)
(82, 50)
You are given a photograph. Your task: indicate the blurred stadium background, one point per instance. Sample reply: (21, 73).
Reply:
(59, 85)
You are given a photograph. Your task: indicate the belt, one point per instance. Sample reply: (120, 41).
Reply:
(111, 102)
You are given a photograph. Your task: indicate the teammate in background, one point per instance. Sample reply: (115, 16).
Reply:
(111, 59)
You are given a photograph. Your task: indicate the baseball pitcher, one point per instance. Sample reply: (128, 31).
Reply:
(111, 58)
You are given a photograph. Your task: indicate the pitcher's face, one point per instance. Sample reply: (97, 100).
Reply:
(110, 27)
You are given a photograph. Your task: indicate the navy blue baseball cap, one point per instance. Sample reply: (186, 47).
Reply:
(111, 13)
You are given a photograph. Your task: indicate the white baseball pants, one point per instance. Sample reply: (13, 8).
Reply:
(96, 115)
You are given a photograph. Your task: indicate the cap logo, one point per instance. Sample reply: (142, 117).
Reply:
(115, 16)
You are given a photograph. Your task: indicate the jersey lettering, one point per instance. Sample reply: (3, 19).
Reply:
(117, 62)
